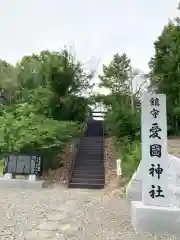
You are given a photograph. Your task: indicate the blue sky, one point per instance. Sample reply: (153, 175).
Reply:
(96, 28)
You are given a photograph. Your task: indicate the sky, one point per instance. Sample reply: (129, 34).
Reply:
(95, 29)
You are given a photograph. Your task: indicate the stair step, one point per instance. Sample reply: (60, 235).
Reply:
(88, 175)
(91, 149)
(90, 153)
(93, 156)
(89, 157)
(87, 180)
(89, 165)
(84, 159)
(86, 185)
(89, 162)
(93, 167)
(97, 146)
(93, 141)
(90, 168)
(88, 171)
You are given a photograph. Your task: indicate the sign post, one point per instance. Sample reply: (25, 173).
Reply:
(154, 150)
(154, 213)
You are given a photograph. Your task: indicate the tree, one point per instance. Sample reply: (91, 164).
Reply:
(165, 71)
(115, 75)
(53, 81)
(8, 83)
(47, 110)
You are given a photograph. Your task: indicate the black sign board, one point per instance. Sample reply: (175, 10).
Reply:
(23, 164)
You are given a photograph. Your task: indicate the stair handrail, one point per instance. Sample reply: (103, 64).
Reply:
(75, 151)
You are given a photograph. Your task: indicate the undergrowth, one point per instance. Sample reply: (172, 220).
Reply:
(130, 155)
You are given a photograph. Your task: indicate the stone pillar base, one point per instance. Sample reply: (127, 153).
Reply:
(134, 190)
(8, 176)
(155, 220)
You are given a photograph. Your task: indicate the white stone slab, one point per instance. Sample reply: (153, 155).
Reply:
(174, 195)
(8, 176)
(134, 190)
(154, 219)
(174, 170)
(23, 183)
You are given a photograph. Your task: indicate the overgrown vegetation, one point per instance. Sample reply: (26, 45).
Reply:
(43, 108)
(123, 104)
(165, 72)
(123, 117)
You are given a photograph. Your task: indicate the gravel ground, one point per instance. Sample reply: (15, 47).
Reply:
(72, 214)
(174, 146)
(61, 213)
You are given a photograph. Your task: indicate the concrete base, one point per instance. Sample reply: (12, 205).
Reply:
(134, 190)
(174, 195)
(32, 178)
(155, 220)
(8, 176)
(23, 183)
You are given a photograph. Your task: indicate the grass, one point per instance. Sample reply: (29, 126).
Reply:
(130, 154)
(1, 167)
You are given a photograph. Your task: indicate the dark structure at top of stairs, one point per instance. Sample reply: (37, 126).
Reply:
(88, 170)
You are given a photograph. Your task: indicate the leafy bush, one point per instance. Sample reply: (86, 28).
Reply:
(125, 127)
(34, 133)
(1, 167)
(130, 158)
(45, 108)
(123, 123)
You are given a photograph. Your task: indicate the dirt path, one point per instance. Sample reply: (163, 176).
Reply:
(61, 213)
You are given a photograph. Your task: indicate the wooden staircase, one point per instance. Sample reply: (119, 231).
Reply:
(88, 170)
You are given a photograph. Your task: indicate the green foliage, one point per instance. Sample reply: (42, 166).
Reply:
(165, 72)
(70, 108)
(130, 154)
(1, 167)
(46, 110)
(22, 132)
(115, 75)
(33, 132)
(122, 120)
(122, 123)
(125, 126)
